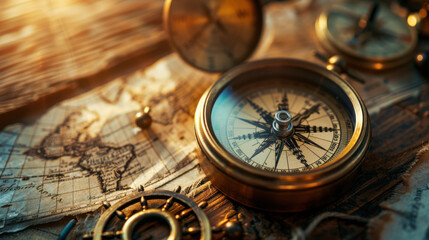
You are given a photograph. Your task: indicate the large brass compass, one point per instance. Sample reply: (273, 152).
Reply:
(282, 134)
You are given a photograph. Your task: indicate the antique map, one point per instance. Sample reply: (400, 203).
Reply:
(88, 149)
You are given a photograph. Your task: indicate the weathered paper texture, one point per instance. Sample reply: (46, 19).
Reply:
(88, 149)
(406, 214)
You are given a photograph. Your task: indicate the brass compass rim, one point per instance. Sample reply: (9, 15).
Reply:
(328, 42)
(250, 51)
(220, 164)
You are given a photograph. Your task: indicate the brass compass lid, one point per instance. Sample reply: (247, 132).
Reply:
(213, 35)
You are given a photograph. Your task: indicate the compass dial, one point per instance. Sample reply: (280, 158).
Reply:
(320, 129)
(368, 34)
(281, 134)
(213, 35)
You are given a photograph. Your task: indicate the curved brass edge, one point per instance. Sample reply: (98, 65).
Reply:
(372, 63)
(259, 26)
(281, 200)
(132, 223)
(135, 197)
(227, 163)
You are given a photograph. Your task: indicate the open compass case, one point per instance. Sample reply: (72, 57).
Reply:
(282, 191)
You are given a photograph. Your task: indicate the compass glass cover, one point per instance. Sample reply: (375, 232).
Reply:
(388, 36)
(282, 121)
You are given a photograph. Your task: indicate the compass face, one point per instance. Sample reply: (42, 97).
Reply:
(244, 121)
(214, 35)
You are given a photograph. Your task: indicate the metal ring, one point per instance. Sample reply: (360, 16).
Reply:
(144, 216)
(146, 213)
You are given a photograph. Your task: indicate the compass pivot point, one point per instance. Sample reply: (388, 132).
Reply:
(282, 124)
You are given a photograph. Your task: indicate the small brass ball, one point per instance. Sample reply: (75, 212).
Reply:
(422, 63)
(234, 230)
(337, 63)
(143, 119)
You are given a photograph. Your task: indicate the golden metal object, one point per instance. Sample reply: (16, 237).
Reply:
(338, 64)
(366, 36)
(213, 35)
(141, 207)
(305, 182)
(151, 214)
(143, 119)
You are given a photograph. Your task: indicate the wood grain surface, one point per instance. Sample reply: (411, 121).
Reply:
(49, 48)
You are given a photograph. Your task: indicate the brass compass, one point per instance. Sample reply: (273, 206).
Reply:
(282, 134)
(368, 35)
(213, 35)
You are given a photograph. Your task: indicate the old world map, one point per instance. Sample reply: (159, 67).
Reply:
(88, 149)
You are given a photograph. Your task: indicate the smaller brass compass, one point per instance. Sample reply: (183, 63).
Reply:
(213, 35)
(367, 35)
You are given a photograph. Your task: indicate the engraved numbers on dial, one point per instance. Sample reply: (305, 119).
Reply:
(320, 130)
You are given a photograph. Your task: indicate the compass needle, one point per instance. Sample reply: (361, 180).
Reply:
(279, 149)
(300, 117)
(364, 23)
(262, 112)
(284, 104)
(296, 150)
(264, 145)
(256, 123)
(304, 139)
